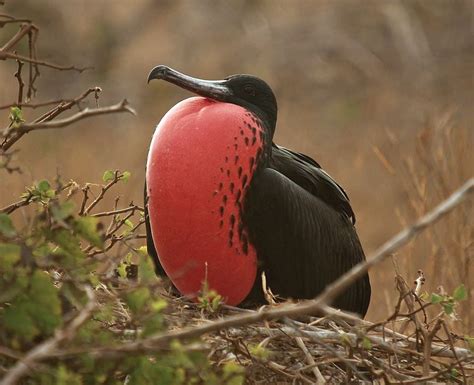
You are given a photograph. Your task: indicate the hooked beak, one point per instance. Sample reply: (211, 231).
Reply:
(213, 89)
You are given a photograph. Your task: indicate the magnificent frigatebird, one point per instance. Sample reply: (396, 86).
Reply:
(224, 203)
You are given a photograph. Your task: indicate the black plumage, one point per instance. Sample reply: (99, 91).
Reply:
(296, 216)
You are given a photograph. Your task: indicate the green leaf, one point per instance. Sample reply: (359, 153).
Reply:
(34, 311)
(125, 176)
(259, 351)
(44, 305)
(146, 269)
(16, 116)
(470, 342)
(66, 377)
(436, 298)
(424, 296)
(6, 226)
(70, 245)
(43, 186)
(138, 298)
(454, 373)
(9, 255)
(108, 176)
(17, 319)
(460, 293)
(63, 211)
(233, 373)
(448, 308)
(86, 227)
(43, 190)
(366, 344)
(159, 305)
(122, 270)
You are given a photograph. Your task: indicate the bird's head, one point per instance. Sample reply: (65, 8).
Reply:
(247, 91)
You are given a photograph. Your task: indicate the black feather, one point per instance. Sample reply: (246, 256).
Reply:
(303, 244)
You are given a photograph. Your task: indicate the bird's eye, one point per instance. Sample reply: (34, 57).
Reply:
(250, 90)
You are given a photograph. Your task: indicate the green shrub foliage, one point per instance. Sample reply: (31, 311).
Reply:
(49, 267)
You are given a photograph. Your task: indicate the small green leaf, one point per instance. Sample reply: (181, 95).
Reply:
(9, 255)
(216, 302)
(259, 351)
(108, 176)
(69, 244)
(460, 293)
(470, 342)
(122, 270)
(86, 227)
(366, 344)
(454, 373)
(436, 298)
(125, 176)
(233, 373)
(424, 296)
(61, 212)
(138, 298)
(159, 305)
(448, 308)
(43, 186)
(17, 320)
(6, 226)
(16, 116)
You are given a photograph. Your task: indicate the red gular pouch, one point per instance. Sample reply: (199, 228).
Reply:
(201, 161)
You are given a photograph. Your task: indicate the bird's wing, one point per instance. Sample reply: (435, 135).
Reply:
(303, 243)
(308, 174)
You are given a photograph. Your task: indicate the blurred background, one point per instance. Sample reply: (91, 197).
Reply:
(379, 92)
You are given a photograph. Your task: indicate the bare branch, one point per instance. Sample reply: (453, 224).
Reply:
(118, 211)
(8, 55)
(21, 84)
(63, 106)
(35, 105)
(23, 31)
(104, 189)
(14, 206)
(123, 106)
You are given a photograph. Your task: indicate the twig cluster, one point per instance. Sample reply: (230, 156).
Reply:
(18, 127)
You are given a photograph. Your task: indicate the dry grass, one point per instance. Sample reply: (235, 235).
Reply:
(441, 159)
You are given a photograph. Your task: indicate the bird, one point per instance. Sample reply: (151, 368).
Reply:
(227, 206)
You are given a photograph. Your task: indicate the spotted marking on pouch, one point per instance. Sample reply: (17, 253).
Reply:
(230, 215)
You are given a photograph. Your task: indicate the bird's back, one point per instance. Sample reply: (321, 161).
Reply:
(301, 224)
